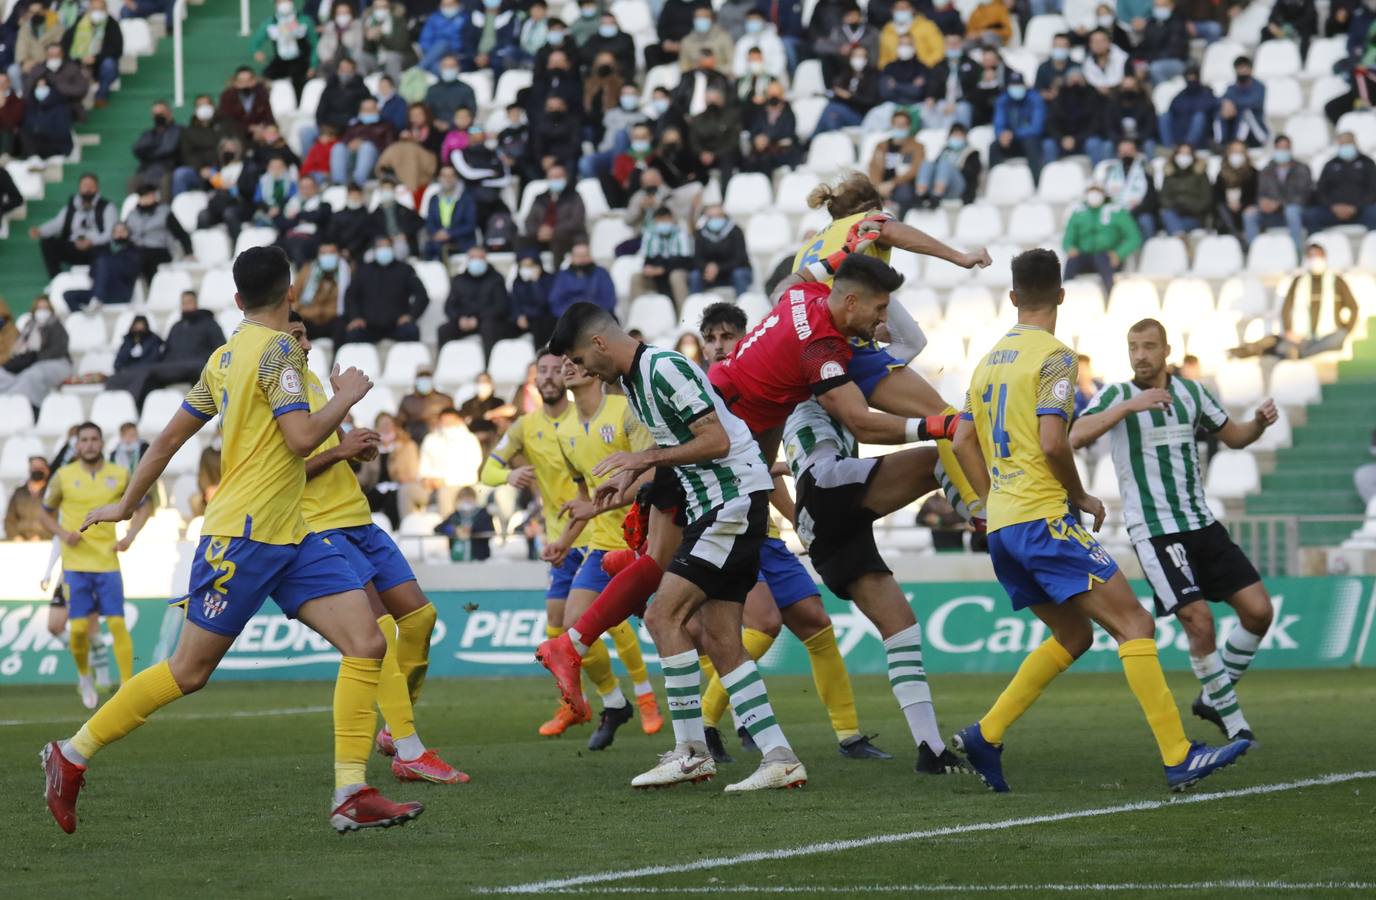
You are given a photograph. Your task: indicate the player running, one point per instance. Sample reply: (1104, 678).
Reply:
(255, 542)
(1018, 456)
(1185, 553)
(336, 509)
(726, 486)
(533, 440)
(784, 595)
(601, 424)
(90, 559)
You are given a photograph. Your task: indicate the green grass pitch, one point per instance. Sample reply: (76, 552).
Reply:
(225, 795)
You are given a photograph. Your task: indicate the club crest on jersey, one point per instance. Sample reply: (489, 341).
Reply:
(213, 604)
(291, 381)
(1061, 389)
(111, 482)
(608, 434)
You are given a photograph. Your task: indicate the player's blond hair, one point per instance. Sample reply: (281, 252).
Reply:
(854, 193)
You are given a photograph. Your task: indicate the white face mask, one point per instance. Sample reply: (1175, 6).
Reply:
(529, 273)
(1184, 160)
(98, 16)
(1317, 264)
(906, 52)
(53, 64)
(284, 10)
(205, 112)
(1237, 160)
(42, 316)
(1095, 199)
(343, 20)
(858, 63)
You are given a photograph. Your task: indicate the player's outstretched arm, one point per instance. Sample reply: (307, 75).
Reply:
(304, 431)
(905, 237)
(1091, 426)
(1239, 434)
(1061, 460)
(847, 405)
(150, 468)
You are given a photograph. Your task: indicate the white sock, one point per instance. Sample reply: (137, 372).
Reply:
(908, 679)
(577, 640)
(72, 754)
(409, 748)
(614, 699)
(1238, 651)
(1218, 691)
(643, 687)
(683, 685)
(344, 793)
(750, 704)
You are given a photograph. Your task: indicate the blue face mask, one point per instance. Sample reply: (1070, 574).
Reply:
(606, 31)
(449, 12)
(475, 130)
(640, 147)
(492, 4)
(556, 38)
(702, 26)
(557, 185)
(1160, 13)
(1283, 157)
(449, 74)
(368, 118)
(956, 143)
(664, 228)
(902, 18)
(477, 267)
(716, 223)
(1060, 54)
(328, 261)
(661, 106)
(1017, 91)
(1347, 152)
(953, 55)
(898, 134)
(630, 102)
(753, 26)
(384, 256)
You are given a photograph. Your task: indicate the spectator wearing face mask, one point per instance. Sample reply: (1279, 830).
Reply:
(557, 218)
(582, 282)
(1186, 195)
(854, 93)
(38, 29)
(773, 133)
(419, 411)
(557, 40)
(289, 35)
(244, 107)
(441, 36)
(95, 40)
(530, 292)
(720, 258)
(760, 35)
(556, 139)
(609, 38)
(129, 449)
(449, 94)
(1019, 125)
(1105, 64)
(140, 347)
(414, 157)
(391, 221)
(451, 219)
(927, 38)
(139, 245)
(1165, 43)
(478, 304)
(469, 527)
(1346, 192)
(1242, 111)
(386, 38)
(1075, 122)
(353, 158)
(895, 163)
(1051, 72)
(449, 460)
(674, 23)
(64, 76)
(585, 25)
(602, 89)
(714, 136)
(341, 38)
(24, 513)
(384, 300)
(47, 125)
(1317, 315)
(990, 21)
(158, 148)
(484, 405)
(1283, 191)
(303, 222)
(668, 251)
(1098, 237)
(349, 229)
(38, 362)
(1127, 181)
(1235, 191)
(851, 31)
(276, 187)
(618, 125)
(189, 343)
(490, 37)
(80, 231)
(197, 147)
(1129, 115)
(1190, 118)
(320, 288)
(952, 174)
(902, 83)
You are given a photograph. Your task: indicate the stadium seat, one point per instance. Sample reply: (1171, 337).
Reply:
(380, 399)
(85, 332)
(1185, 301)
(1163, 93)
(623, 269)
(666, 76)
(1366, 256)
(1239, 383)
(1309, 132)
(1217, 256)
(970, 310)
(691, 313)
(211, 246)
(165, 293)
(1272, 254)
(607, 235)
(938, 273)
(1104, 481)
(1284, 97)
(1163, 257)
(831, 152)
(382, 522)
(363, 357)
(999, 274)
(1323, 55)
(403, 360)
(228, 320)
(1276, 59)
(282, 99)
(16, 415)
(158, 409)
(310, 98)
(594, 199)
(111, 409)
(746, 194)
(509, 361)
(1232, 475)
(533, 189)
(1295, 382)
(30, 183)
(217, 289)
(1363, 127)
(512, 82)
(1245, 296)
(756, 307)
(187, 207)
(419, 523)
(481, 83)
(1132, 300)
(654, 315)
(933, 221)
(767, 233)
(435, 277)
(1062, 181)
(808, 80)
(459, 363)
(14, 459)
(1031, 223)
(1009, 184)
(794, 187)
(318, 361)
(187, 459)
(922, 303)
(1218, 61)
(1040, 31)
(978, 223)
(1277, 437)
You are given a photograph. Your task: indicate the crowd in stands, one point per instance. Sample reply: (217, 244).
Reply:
(492, 137)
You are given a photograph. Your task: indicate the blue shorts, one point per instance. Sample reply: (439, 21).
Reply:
(590, 576)
(89, 592)
(372, 555)
(561, 577)
(788, 580)
(869, 365)
(1048, 560)
(231, 577)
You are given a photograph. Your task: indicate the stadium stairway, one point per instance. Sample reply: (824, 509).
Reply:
(212, 50)
(1314, 476)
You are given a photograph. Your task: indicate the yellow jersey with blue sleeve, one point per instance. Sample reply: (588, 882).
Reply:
(333, 498)
(73, 491)
(611, 429)
(833, 238)
(535, 436)
(254, 377)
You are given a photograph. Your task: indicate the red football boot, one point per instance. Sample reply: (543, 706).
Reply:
(369, 809)
(614, 561)
(384, 743)
(64, 780)
(427, 767)
(564, 663)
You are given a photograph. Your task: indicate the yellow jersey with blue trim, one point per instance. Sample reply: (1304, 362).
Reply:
(833, 238)
(536, 437)
(611, 429)
(333, 498)
(1028, 374)
(254, 377)
(75, 490)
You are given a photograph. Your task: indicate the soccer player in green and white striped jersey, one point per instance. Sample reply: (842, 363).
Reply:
(1185, 553)
(726, 486)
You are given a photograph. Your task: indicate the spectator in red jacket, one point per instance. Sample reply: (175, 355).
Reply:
(244, 105)
(317, 162)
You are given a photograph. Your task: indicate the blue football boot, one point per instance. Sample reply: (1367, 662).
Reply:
(984, 757)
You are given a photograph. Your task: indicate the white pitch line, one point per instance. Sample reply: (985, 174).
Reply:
(173, 717)
(555, 884)
(1232, 885)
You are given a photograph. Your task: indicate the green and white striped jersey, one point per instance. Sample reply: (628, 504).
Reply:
(808, 426)
(1157, 459)
(668, 393)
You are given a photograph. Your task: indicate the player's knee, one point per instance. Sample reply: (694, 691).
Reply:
(366, 645)
(807, 618)
(1075, 637)
(190, 677)
(1135, 624)
(1256, 617)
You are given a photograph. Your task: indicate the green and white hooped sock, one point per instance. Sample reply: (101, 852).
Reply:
(683, 687)
(750, 706)
(1238, 651)
(908, 679)
(1218, 691)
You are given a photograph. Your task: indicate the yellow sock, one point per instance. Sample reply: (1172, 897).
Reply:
(413, 647)
(136, 700)
(124, 647)
(597, 665)
(553, 631)
(1036, 672)
(355, 692)
(833, 682)
(714, 698)
(1142, 667)
(393, 694)
(628, 651)
(79, 640)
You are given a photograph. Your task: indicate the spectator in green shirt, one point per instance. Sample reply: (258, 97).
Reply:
(1099, 237)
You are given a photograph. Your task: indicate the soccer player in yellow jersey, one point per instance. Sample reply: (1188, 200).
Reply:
(336, 509)
(1018, 455)
(90, 561)
(601, 424)
(254, 542)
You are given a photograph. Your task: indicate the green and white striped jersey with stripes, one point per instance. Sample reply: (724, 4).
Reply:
(668, 393)
(807, 427)
(1157, 460)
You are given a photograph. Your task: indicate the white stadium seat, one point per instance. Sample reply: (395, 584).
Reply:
(379, 400)
(1245, 296)
(1132, 300)
(509, 361)
(1336, 245)
(1218, 61)
(16, 415)
(1009, 184)
(933, 221)
(187, 206)
(1276, 59)
(1233, 474)
(1186, 300)
(14, 459)
(1284, 97)
(1031, 223)
(459, 363)
(1164, 256)
(1272, 254)
(1323, 55)
(791, 196)
(808, 80)
(211, 245)
(1217, 256)
(746, 194)
(1239, 383)
(1295, 382)
(165, 293)
(607, 234)
(1062, 181)
(403, 360)
(978, 223)
(654, 315)
(831, 152)
(1104, 482)
(85, 332)
(767, 233)
(58, 413)
(111, 409)
(158, 409)
(217, 289)
(363, 357)
(594, 199)
(1040, 31)
(999, 274)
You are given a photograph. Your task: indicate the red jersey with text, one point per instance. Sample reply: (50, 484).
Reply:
(795, 353)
